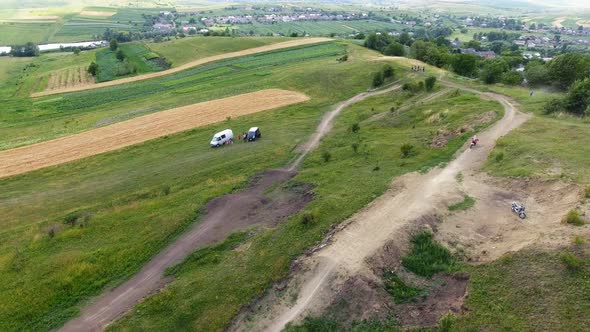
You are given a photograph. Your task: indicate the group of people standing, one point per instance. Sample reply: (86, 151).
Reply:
(418, 68)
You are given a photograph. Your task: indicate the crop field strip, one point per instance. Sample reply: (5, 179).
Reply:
(141, 129)
(292, 43)
(61, 115)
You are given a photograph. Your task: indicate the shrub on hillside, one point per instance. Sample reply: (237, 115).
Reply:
(93, 69)
(309, 217)
(407, 150)
(573, 218)
(355, 127)
(512, 78)
(587, 192)
(429, 83)
(378, 79)
(388, 71)
(427, 257)
(554, 105)
(326, 156)
(570, 261)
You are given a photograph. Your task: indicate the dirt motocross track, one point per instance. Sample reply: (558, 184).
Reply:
(141, 129)
(245, 208)
(345, 254)
(267, 48)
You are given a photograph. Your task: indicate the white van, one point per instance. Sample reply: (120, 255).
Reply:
(222, 137)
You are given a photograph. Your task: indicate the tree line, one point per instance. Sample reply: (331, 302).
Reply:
(569, 72)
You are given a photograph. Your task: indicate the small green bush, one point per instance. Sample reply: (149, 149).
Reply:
(573, 218)
(326, 156)
(499, 156)
(355, 147)
(355, 127)
(587, 192)
(578, 240)
(427, 257)
(407, 150)
(554, 105)
(467, 203)
(309, 217)
(570, 261)
(388, 71)
(378, 79)
(429, 82)
(446, 323)
(76, 218)
(401, 292)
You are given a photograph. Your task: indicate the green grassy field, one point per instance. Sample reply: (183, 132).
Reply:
(547, 146)
(14, 33)
(138, 60)
(213, 284)
(183, 50)
(529, 290)
(139, 198)
(45, 276)
(29, 121)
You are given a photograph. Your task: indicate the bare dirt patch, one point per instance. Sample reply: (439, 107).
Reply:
(96, 13)
(267, 48)
(490, 229)
(141, 129)
(222, 216)
(443, 136)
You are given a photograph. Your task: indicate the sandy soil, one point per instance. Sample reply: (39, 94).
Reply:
(291, 43)
(141, 129)
(96, 13)
(346, 252)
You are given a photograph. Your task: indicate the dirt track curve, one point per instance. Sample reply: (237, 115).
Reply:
(366, 232)
(214, 227)
(141, 129)
(266, 48)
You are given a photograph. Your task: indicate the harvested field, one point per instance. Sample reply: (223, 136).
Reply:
(267, 48)
(96, 13)
(69, 78)
(141, 129)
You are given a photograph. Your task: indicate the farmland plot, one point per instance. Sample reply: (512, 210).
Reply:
(69, 78)
(141, 129)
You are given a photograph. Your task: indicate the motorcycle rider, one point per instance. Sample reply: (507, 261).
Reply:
(474, 141)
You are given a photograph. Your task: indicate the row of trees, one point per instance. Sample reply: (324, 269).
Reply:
(438, 52)
(569, 72)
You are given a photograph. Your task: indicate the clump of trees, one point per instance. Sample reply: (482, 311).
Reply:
(26, 50)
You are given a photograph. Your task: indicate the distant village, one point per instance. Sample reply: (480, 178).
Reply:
(532, 37)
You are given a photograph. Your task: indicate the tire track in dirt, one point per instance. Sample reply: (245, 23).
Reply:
(225, 215)
(366, 232)
(250, 51)
(141, 129)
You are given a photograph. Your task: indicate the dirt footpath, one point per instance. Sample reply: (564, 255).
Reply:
(278, 46)
(141, 129)
(223, 216)
(412, 196)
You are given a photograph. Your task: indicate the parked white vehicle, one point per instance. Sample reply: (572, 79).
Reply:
(222, 137)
